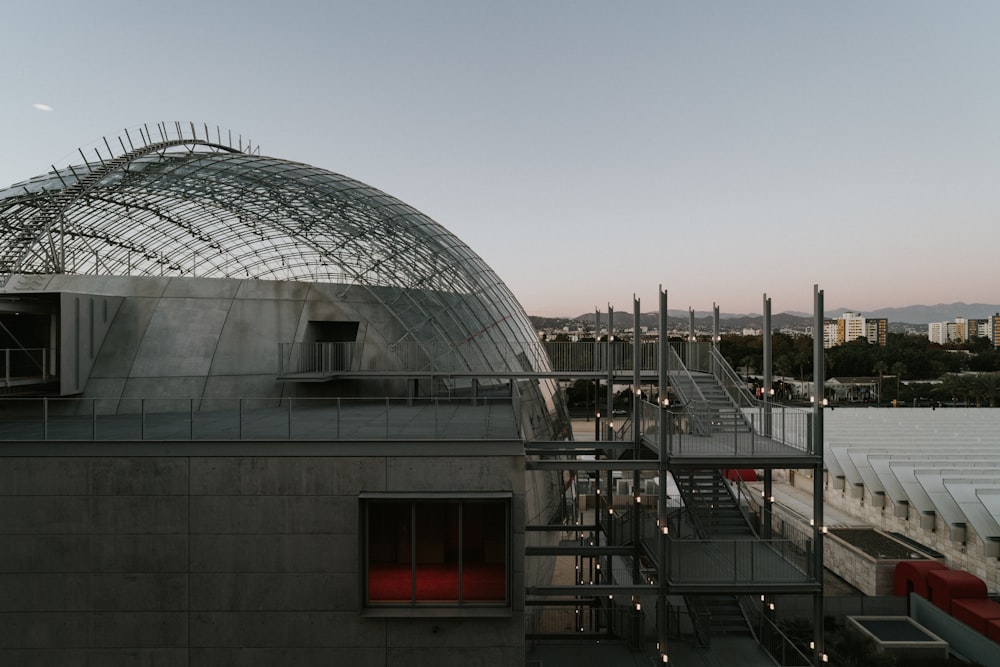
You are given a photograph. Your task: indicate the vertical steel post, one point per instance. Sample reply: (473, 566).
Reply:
(636, 441)
(661, 496)
(819, 381)
(611, 372)
(768, 383)
(716, 329)
(691, 339)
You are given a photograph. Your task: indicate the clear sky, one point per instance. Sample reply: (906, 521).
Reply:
(588, 150)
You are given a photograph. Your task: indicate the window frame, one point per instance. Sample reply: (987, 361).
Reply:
(415, 607)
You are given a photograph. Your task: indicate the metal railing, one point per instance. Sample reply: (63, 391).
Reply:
(582, 618)
(770, 637)
(727, 378)
(738, 561)
(408, 356)
(598, 356)
(19, 366)
(692, 430)
(167, 419)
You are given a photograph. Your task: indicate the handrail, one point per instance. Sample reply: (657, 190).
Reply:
(269, 418)
(689, 403)
(408, 356)
(723, 373)
(24, 365)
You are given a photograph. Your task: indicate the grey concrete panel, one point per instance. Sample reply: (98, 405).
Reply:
(44, 514)
(196, 322)
(275, 592)
(138, 629)
(139, 514)
(44, 592)
(285, 290)
(44, 657)
(138, 553)
(165, 387)
(69, 515)
(280, 629)
(288, 657)
(30, 282)
(286, 476)
(455, 474)
(484, 656)
(271, 553)
(94, 553)
(201, 288)
(108, 388)
(44, 553)
(137, 657)
(44, 476)
(85, 657)
(138, 592)
(147, 286)
(139, 476)
(248, 343)
(273, 514)
(455, 632)
(250, 386)
(93, 592)
(45, 630)
(122, 340)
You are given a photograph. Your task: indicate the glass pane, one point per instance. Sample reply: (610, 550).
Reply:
(437, 550)
(484, 552)
(390, 571)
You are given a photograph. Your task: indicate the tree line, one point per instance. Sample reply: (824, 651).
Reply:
(916, 368)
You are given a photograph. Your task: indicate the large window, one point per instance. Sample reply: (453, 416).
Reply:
(437, 551)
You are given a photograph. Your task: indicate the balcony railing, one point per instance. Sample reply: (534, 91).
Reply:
(144, 419)
(774, 429)
(21, 366)
(409, 357)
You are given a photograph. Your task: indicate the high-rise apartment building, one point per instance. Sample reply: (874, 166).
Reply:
(963, 330)
(851, 326)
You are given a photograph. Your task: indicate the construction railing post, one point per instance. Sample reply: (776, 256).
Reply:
(819, 381)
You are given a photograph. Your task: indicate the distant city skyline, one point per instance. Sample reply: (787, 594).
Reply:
(587, 151)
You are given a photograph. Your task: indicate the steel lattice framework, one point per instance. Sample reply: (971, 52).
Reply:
(183, 200)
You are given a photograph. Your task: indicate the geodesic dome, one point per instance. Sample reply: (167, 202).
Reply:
(186, 200)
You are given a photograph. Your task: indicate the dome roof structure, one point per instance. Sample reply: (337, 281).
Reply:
(181, 200)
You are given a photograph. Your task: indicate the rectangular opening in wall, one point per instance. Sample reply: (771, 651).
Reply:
(437, 552)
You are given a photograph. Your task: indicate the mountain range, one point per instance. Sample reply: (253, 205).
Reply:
(914, 315)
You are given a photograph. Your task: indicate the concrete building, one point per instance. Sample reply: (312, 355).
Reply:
(851, 326)
(259, 413)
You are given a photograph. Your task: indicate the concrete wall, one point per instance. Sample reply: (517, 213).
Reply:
(176, 557)
(930, 531)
